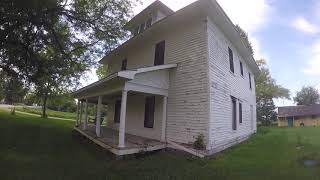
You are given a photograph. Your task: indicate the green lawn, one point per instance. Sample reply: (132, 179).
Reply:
(36, 149)
(51, 113)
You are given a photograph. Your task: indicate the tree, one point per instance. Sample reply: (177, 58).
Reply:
(266, 90)
(50, 44)
(245, 37)
(12, 89)
(102, 71)
(307, 96)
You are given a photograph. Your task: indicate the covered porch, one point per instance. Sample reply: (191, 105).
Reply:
(137, 110)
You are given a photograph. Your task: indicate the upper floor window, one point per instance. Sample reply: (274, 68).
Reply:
(241, 68)
(159, 53)
(231, 60)
(124, 65)
(250, 84)
(148, 23)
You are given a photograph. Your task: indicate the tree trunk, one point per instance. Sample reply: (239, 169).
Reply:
(44, 107)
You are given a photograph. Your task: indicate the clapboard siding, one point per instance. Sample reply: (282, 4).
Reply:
(223, 84)
(187, 111)
(187, 115)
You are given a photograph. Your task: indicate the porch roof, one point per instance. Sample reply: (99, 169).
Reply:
(115, 82)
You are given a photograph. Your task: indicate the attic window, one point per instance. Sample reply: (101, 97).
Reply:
(142, 28)
(148, 23)
(136, 31)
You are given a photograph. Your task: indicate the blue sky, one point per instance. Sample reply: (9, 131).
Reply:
(284, 32)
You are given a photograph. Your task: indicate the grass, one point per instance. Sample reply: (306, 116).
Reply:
(34, 148)
(51, 113)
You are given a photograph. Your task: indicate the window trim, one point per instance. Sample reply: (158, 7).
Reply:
(231, 60)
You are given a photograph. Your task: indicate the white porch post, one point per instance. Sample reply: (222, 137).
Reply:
(164, 118)
(98, 119)
(78, 107)
(85, 116)
(122, 126)
(81, 112)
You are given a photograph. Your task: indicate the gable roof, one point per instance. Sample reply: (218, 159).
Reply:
(212, 9)
(157, 5)
(299, 110)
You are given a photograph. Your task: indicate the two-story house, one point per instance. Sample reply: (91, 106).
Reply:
(181, 75)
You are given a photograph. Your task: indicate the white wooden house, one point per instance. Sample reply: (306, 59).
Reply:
(181, 74)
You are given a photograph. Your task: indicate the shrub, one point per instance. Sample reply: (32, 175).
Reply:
(199, 142)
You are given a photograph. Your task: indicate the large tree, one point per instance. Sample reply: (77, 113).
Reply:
(266, 90)
(307, 96)
(13, 90)
(51, 43)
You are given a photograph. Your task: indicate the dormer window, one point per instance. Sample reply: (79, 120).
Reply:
(148, 23)
(136, 31)
(142, 28)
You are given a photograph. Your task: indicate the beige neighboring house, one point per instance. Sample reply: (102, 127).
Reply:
(297, 116)
(181, 75)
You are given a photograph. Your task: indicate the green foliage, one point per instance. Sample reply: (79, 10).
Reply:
(13, 89)
(199, 142)
(50, 44)
(50, 113)
(307, 96)
(245, 37)
(63, 103)
(102, 71)
(266, 90)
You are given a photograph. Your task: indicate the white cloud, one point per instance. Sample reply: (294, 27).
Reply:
(302, 24)
(313, 65)
(251, 15)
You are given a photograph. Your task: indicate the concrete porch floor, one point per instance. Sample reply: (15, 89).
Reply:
(109, 140)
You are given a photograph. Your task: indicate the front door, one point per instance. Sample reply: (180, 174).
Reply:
(290, 121)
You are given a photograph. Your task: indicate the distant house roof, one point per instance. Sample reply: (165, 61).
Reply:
(299, 110)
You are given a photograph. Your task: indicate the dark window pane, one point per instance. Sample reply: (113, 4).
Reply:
(124, 65)
(250, 80)
(234, 113)
(117, 110)
(142, 28)
(241, 68)
(159, 53)
(136, 30)
(240, 113)
(149, 22)
(231, 60)
(149, 112)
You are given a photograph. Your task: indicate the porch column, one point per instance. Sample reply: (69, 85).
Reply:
(122, 127)
(85, 116)
(81, 112)
(98, 119)
(77, 118)
(164, 118)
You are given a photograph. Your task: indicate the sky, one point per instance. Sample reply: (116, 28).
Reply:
(286, 33)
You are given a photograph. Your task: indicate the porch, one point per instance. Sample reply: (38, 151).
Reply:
(137, 110)
(109, 141)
